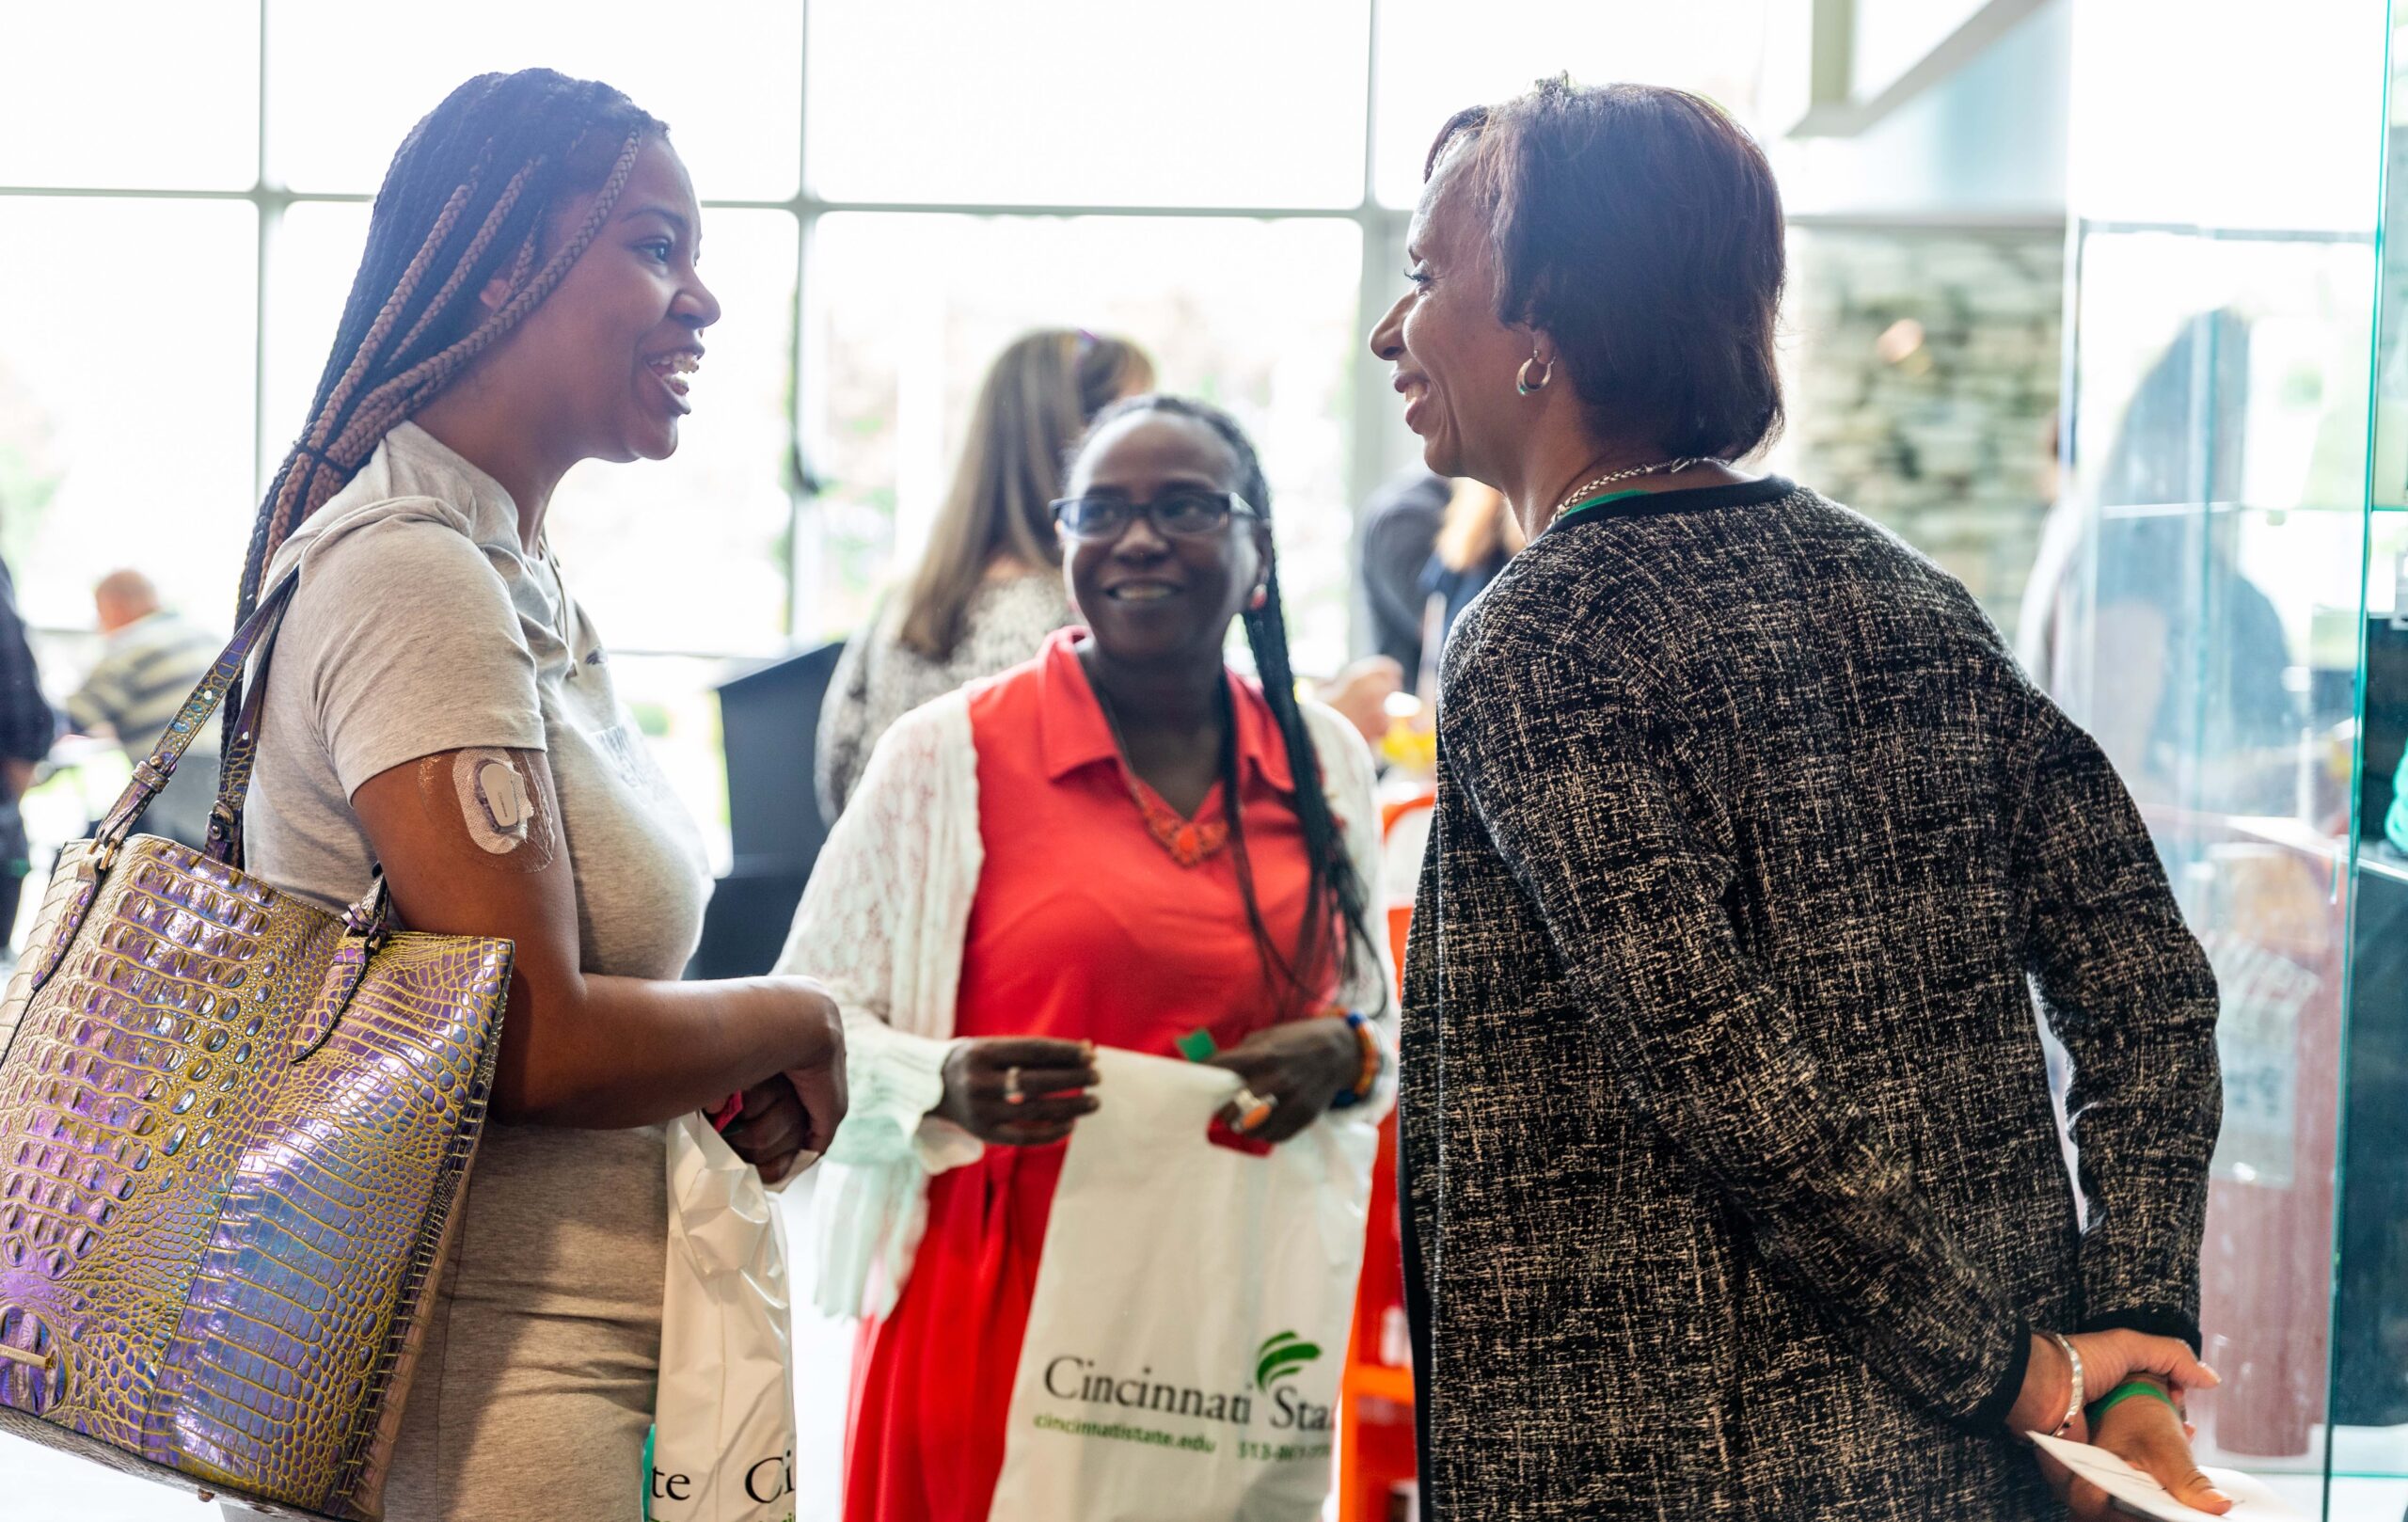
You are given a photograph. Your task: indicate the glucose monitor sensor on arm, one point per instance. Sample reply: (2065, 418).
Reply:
(499, 800)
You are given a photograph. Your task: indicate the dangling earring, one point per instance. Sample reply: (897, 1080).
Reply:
(1260, 599)
(1523, 384)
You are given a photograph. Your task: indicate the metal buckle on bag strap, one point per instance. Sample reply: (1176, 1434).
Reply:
(371, 916)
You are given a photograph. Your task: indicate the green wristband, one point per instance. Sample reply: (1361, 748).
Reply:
(2125, 1392)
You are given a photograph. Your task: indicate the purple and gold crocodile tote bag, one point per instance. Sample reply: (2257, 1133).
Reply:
(232, 1126)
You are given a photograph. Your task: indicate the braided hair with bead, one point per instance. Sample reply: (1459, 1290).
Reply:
(470, 198)
(1336, 927)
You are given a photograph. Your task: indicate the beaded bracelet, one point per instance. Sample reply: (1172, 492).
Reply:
(2125, 1392)
(1374, 1059)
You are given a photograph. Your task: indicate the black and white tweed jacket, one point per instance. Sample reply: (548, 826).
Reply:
(1727, 1135)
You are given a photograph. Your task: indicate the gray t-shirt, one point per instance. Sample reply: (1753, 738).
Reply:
(422, 625)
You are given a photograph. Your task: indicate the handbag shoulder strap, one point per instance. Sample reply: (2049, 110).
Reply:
(366, 925)
(241, 750)
(150, 774)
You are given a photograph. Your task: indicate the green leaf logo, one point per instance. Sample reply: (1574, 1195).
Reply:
(1281, 1356)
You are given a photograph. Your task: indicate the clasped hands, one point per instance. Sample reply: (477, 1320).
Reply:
(2148, 1434)
(1032, 1090)
(789, 1114)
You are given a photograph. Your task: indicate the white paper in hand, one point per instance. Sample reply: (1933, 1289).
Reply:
(2136, 1493)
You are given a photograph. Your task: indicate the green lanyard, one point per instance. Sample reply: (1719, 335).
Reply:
(1578, 509)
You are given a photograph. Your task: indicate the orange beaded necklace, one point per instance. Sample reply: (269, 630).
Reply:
(1190, 842)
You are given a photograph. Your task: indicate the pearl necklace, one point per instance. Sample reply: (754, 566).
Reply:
(1589, 488)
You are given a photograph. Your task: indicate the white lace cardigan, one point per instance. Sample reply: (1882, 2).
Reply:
(881, 926)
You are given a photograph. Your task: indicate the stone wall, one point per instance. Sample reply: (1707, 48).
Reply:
(1923, 377)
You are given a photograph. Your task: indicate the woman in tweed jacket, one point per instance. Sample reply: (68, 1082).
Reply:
(1734, 1187)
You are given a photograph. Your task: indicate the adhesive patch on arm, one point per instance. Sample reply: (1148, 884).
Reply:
(501, 798)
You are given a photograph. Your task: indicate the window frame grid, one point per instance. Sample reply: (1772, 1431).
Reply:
(1379, 442)
(1377, 432)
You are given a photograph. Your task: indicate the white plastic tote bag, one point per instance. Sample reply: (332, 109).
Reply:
(722, 1437)
(1191, 1312)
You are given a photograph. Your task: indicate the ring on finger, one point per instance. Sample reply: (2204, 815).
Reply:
(1253, 1109)
(1013, 1094)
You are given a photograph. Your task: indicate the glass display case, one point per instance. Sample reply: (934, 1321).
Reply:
(2230, 623)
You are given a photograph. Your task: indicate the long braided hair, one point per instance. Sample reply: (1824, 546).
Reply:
(1336, 929)
(469, 198)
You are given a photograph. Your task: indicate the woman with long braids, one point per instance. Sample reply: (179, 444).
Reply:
(1120, 843)
(437, 708)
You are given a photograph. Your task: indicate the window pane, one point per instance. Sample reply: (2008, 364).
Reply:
(1258, 316)
(1249, 102)
(735, 109)
(125, 399)
(674, 704)
(313, 251)
(2186, 141)
(1431, 64)
(84, 102)
(2220, 417)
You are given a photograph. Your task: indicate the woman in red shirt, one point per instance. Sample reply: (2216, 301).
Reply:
(1135, 846)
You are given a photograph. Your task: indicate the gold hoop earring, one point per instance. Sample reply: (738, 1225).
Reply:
(1524, 386)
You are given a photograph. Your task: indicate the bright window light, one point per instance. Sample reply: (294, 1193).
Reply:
(125, 399)
(1242, 102)
(79, 107)
(1432, 61)
(727, 79)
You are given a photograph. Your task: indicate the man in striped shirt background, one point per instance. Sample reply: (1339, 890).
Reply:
(151, 661)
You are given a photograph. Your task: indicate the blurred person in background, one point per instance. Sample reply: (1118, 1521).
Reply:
(150, 660)
(27, 726)
(1732, 1183)
(1400, 526)
(2046, 637)
(1478, 536)
(2148, 551)
(1121, 843)
(440, 710)
(1431, 537)
(1362, 692)
(988, 589)
(2175, 603)
(1429, 545)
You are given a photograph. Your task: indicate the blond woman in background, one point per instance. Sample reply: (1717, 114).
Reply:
(989, 588)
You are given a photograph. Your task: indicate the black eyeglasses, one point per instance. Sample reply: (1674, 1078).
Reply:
(1185, 514)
